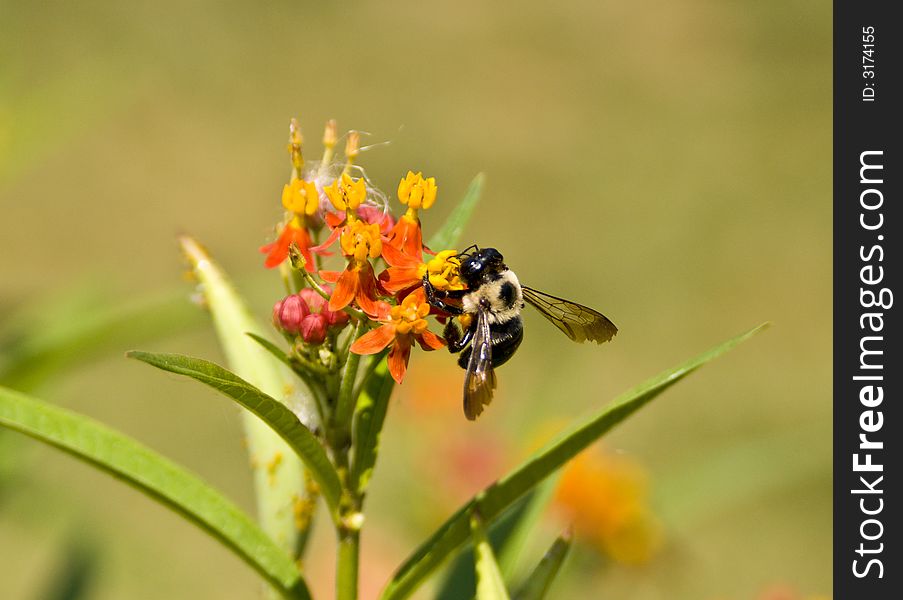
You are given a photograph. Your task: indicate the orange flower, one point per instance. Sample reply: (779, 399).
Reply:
(402, 324)
(360, 242)
(606, 496)
(301, 199)
(293, 232)
(415, 192)
(405, 272)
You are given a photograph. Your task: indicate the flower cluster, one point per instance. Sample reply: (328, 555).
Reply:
(379, 283)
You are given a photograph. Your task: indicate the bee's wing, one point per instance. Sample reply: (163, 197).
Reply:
(578, 322)
(479, 380)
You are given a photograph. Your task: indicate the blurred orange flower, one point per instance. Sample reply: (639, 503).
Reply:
(606, 497)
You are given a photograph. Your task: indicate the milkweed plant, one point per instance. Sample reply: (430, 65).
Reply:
(351, 318)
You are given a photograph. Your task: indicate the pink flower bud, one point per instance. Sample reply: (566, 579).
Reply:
(289, 313)
(313, 328)
(335, 318)
(277, 308)
(315, 302)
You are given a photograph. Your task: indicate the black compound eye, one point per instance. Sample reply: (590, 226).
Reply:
(471, 267)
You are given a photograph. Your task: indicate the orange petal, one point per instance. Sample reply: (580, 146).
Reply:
(330, 276)
(430, 341)
(396, 258)
(398, 359)
(334, 219)
(396, 279)
(333, 236)
(302, 239)
(419, 295)
(413, 243)
(384, 312)
(278, 250)
(367, 295)
(406, 236)
(374, 341)
(345, 289)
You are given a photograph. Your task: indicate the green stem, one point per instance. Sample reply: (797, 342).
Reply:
(369, 367)
(344, 410)
(309, 365)
(347, 565)
(315, 235)
(297, 281)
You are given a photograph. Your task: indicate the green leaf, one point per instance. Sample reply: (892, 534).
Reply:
(450, 233)
(508, 535)
(492, 501)
(272, 348)
(278, 492)
(537, 584)
(157, 477)
(490, 585)
(279, 418)
(372, 406)
(538, 501)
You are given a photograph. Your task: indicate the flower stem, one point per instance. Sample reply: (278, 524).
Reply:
(341, 422)
(369, 367)
(347, 565)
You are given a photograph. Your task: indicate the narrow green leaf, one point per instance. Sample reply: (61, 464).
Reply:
(450, 233)
(281, 491)
(157, 477)
(272, 348)
(537, 584)
(492, 501)
(508, 535)
(279, 418)
(490, 585)
(372, 406)
(539, 500)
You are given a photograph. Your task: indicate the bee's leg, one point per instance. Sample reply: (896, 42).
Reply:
(436, 298)
(455, 339)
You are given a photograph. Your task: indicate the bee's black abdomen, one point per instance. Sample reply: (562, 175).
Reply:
(506, 337)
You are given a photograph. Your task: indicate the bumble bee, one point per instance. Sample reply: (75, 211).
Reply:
(491, 328)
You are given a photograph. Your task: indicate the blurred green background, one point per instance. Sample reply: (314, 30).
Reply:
(665, 162)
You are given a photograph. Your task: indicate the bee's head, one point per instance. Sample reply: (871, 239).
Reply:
(480, 265)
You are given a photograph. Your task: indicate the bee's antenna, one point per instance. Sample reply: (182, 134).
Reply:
(467, 250)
